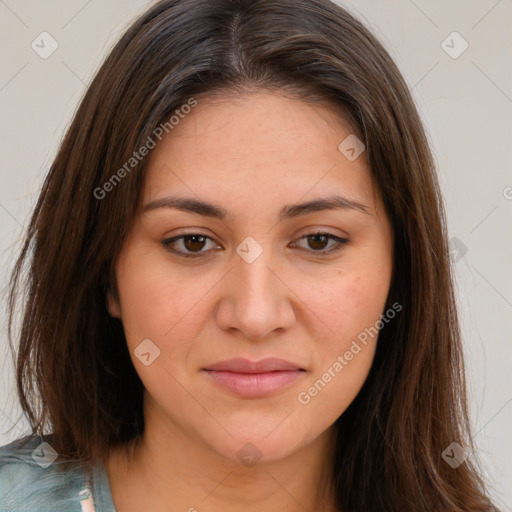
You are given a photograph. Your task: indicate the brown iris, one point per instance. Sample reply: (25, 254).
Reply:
(318, 241)
(194, 243)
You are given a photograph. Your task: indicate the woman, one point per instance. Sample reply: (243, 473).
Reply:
(244, 203)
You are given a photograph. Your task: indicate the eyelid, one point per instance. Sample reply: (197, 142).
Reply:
(320, 231)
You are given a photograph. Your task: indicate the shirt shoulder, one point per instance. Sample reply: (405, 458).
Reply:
(31, 479)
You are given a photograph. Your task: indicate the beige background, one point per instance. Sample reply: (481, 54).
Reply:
(466, 103)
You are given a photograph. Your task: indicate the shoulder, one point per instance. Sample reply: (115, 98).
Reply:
(30, 478)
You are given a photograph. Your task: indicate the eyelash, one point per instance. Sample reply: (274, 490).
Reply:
(339, 241)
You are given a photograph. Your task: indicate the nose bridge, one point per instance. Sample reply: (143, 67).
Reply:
(256, 302)
(255, 282)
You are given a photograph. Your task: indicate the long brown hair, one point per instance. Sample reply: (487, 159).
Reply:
(72, 358)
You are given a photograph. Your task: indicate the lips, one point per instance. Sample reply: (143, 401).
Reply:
(241, 365)
(251, 379)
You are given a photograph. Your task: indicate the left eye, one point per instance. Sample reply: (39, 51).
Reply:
(192, 245)
(319, 241)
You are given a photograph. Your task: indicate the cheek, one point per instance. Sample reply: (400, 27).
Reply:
(351, 309)
(344, 305)
(154, 303)
(348, 308)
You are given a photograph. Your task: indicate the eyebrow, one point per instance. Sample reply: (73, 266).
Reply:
(193, 205)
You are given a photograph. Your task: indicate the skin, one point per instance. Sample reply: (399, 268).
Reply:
(250, 154)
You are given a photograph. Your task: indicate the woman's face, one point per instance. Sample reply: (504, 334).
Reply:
(246, 276)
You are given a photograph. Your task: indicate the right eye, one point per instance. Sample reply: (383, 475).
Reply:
(191, 245)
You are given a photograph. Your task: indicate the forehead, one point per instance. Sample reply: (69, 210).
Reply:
(256, 145)
(258, 120)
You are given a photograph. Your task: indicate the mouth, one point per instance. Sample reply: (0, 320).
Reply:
(254, 379)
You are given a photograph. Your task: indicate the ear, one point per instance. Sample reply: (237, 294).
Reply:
(114, 308)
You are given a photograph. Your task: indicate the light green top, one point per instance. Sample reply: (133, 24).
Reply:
(30, 480)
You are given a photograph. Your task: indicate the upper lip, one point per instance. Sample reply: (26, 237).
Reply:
(241, 365)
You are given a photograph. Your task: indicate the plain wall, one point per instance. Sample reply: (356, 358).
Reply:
(466, 103)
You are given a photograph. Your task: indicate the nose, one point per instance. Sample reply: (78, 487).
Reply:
(256, 300)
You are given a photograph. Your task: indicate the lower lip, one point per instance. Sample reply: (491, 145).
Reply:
(255, 384)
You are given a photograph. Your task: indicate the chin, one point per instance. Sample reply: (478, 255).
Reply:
(249, 447)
